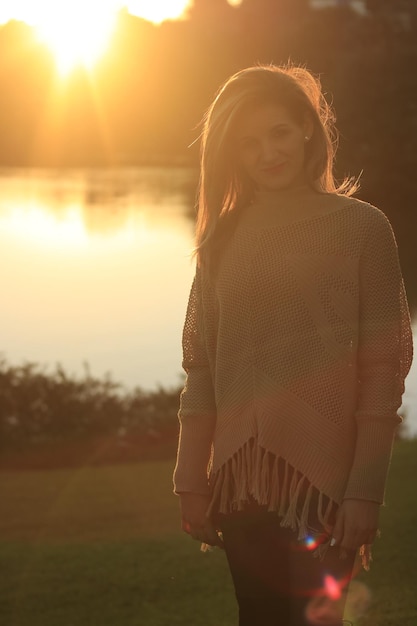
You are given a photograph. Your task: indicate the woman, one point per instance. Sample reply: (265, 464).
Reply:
(296, 345)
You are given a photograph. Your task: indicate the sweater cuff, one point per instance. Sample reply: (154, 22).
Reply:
(372, 458)
(193, 458)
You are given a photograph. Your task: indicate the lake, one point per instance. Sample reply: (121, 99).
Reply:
(96, 269)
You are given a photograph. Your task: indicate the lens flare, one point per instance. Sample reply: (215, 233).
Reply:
(332, 587)
(359, 599)
(311, 543)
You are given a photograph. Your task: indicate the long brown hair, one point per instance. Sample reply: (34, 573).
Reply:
(222, 189)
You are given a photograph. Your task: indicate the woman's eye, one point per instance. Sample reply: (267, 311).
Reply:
(280, 132)
(248, 145)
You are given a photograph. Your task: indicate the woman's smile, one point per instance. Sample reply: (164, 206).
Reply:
(274, 169)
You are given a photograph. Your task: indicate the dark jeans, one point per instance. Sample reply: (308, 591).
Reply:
(277, 580)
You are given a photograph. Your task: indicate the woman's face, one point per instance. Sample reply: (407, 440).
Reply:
(270, 147)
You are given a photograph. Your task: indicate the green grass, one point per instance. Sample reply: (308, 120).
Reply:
(102, 546)
(393, 575)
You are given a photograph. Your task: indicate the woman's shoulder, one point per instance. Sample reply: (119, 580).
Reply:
(363, 211)
(361, 205)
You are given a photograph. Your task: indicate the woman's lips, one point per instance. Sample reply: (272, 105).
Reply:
(274, 169)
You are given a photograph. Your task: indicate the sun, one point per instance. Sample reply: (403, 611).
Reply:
(77, 32)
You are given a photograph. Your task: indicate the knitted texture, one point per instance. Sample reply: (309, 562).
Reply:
(299, 348)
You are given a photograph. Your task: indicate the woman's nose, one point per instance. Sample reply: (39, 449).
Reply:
(268, 150)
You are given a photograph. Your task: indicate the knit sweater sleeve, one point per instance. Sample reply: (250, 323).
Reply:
(197, 412)
(384, 359)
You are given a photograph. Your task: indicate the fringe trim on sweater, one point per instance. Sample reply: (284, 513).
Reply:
(255, 475)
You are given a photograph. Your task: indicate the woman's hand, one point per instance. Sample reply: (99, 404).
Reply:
(195, 522)
(356, 524)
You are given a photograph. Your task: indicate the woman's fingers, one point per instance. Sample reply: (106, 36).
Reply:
(205, 533)
(194, 519)
(337, 534)
(212, 536)
(356, 524)
(353, 539)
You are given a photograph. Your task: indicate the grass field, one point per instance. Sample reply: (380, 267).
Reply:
(101, 546)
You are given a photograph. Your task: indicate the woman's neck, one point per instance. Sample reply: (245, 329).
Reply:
(283, 196)
(290, 205)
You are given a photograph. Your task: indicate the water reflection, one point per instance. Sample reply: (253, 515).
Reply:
(104, 200)
(95, 267)
(409, 408)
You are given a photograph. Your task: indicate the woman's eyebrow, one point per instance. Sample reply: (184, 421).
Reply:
(241, 138)
(279, 125)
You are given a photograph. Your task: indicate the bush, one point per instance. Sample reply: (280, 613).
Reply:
(40, 407)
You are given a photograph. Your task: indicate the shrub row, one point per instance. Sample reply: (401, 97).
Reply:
(38, 406)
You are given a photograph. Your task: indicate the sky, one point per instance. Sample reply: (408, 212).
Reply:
(39, 12)
(78, 31)
(152, 10)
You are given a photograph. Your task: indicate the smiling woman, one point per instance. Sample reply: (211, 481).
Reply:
(78, 32)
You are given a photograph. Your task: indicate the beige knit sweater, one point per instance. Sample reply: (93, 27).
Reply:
(299, 349)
